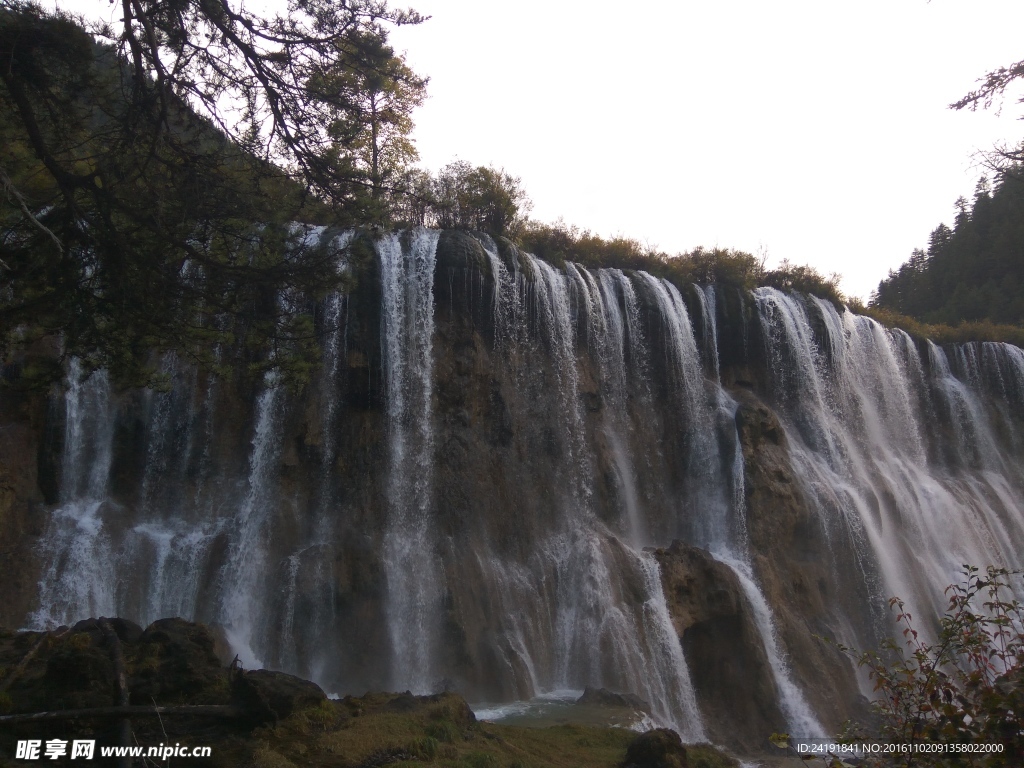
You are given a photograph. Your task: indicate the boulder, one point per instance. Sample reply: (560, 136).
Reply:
(175, 661)
(79, 674)
(272, 696)
(723, 647)
(660, 748)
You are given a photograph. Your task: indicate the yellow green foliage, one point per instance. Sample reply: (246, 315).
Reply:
(980, 330)
(559, 243)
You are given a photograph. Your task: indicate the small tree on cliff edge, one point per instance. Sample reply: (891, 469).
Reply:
(486, 199)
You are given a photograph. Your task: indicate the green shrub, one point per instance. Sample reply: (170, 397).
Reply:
(426, 748)
(965, 688)
(444, 731)
(480, 760)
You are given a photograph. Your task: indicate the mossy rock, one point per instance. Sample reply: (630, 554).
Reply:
(660, 748)
(273, 696)
(458, 250)
(176, 661)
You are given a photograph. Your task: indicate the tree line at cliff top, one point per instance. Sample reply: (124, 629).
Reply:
(972, 272)
(154, 171)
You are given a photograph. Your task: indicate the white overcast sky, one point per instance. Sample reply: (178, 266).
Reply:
(815, 129)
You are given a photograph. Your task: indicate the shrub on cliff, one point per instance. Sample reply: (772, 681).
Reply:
(560, 242)
(982, 330)
(963, 691)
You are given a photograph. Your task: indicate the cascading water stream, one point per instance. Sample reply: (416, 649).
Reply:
(616, 333)
(313, 558)
(721, 527)
(586, 634)
(410, 557)
(76, 547)
(709, 326)
(708, 520)
(800, 718)
(246, 566)
(858, 449)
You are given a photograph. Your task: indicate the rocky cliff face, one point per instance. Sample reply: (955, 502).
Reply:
(731, 672)
(22, 507)
(511, 478)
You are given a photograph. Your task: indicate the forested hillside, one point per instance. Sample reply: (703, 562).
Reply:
(153, 182)
(154, 188)
(972, 271)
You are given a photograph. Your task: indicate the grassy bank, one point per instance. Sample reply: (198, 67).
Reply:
(402, 730)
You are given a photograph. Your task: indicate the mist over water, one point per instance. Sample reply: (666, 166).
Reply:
(340, 540)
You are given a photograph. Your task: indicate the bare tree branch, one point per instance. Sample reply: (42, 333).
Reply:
(13, 193)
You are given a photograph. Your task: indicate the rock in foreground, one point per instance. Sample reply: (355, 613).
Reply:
(260, 718)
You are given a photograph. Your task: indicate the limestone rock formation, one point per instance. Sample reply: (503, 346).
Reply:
(660, 748)
(604, 698)
(22, 502)
(730, 669)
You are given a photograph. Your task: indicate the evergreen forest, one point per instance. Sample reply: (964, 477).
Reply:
(972, 271)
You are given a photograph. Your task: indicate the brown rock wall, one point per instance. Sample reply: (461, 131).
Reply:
(21, 501)
(795, 568)
(724, 651)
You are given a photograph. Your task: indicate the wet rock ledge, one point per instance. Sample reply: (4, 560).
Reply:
(175, 682)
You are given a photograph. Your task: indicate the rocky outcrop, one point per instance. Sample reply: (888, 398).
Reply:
(172, 664)
(723, 647)
(22, 503)
(273, 696)
(660, 748)
(811, 598)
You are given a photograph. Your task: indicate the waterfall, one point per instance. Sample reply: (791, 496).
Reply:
(722, 528)
(246, 569)
(80, 577)
(857, 437)
(709, 326)
(410, 557)
(559, 614)
(461, 495)
(800, 719)
(88, 436)
(312, 561)
(617, 332)
(707, 517)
